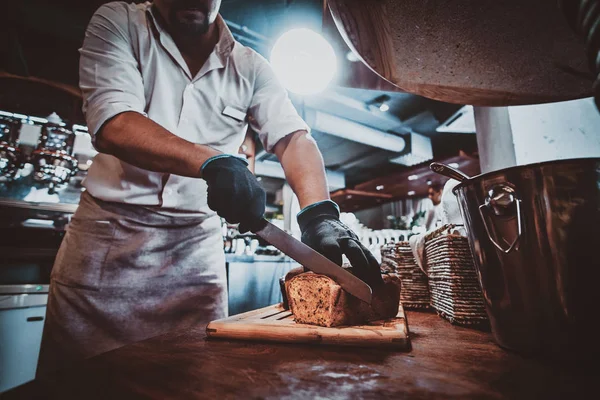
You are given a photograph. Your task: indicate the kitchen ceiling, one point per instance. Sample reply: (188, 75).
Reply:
(41, 39)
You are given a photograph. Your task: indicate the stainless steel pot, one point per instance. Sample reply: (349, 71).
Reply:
(534, 231)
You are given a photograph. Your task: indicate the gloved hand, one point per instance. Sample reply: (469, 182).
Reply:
(324, 232)
(233, 192)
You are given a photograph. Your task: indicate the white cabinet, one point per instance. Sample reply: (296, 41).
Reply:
(21, 323)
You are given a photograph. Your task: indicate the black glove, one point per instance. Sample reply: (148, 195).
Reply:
(233, 192)
(324, 232)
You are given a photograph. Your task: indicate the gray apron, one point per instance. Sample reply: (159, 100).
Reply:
(125, 273)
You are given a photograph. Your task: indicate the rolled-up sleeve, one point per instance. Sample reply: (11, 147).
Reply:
(273, 115)
(109, 75)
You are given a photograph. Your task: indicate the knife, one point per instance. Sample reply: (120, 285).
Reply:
(313, 260)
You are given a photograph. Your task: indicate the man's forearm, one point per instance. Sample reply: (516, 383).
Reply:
(141, 142)
(303, 166)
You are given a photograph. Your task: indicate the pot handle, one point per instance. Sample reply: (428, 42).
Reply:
(449, 172)
(500, 199)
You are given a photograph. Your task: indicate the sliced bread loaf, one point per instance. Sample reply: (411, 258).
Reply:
(318, 300)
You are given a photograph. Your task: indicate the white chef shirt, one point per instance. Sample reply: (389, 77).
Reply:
(433, 217)
(129, 63)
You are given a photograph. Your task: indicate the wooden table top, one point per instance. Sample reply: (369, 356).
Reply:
(446, 361)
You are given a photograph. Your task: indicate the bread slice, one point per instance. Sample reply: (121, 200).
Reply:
(318, 300)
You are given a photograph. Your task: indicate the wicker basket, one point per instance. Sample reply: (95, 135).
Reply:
(453, 282)
(397, 258)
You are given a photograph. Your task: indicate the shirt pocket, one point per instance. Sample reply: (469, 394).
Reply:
(228, 122)
(82, 254)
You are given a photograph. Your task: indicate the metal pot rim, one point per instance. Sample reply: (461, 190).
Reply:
(487, 175)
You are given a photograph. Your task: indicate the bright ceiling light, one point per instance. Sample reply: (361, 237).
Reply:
(303, 61)
(411, 193)
(413, 177)
(379, 187)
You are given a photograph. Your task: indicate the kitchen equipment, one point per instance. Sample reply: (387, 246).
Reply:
(483, 53)
(27, 253)
(534, 232)
(314, 261)
(276, 324)
(11, 158)
(53, 158)
(252, 282)
(448, 171)
(22, 313)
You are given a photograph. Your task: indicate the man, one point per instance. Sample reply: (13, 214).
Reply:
(434, 193)
(167, 93)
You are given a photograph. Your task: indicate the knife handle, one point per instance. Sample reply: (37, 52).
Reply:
(284, 299)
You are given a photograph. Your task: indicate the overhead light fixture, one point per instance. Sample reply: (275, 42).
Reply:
(380, 103)
(411, 193)
(349, 196)
(420, 148)
(79, 128)
(413, 177)
(303, 61)
(20, 116)
(350, 130)
(379, 187)
(41, 120)
(462, 121)
(32, 120)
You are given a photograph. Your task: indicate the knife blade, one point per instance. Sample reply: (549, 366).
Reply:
(313, 260)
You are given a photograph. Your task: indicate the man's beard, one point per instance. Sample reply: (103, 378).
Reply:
(188, 18)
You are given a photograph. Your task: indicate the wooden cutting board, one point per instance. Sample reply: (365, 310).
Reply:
(275, 324)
